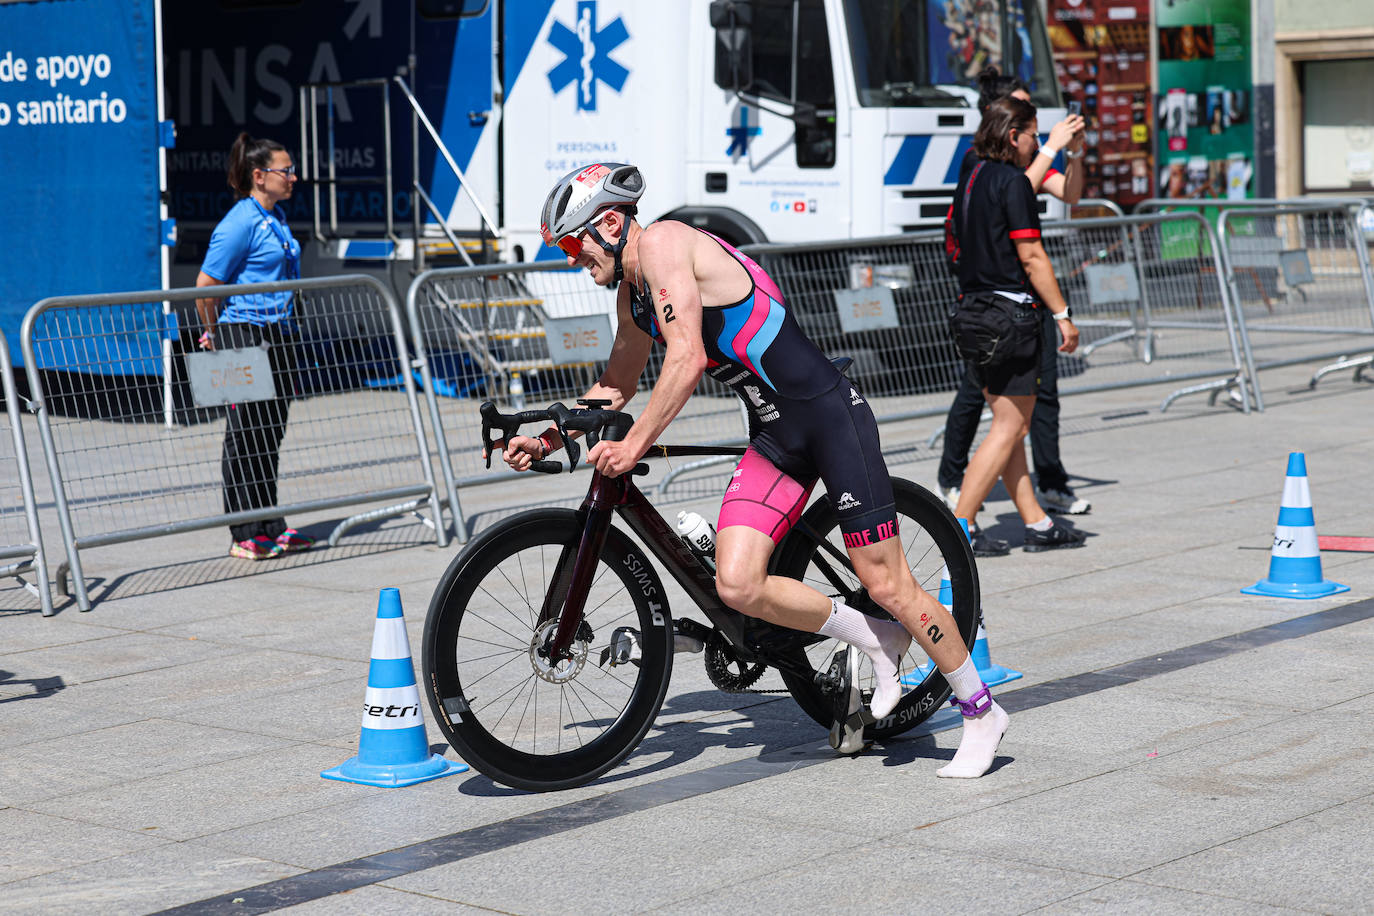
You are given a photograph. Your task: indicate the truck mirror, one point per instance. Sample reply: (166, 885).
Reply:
(734, 53)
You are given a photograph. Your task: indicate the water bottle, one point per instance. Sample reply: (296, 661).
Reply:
(699, 535)
(517, 392)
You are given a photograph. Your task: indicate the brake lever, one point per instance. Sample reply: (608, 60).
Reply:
(491, 418)
(560, 416)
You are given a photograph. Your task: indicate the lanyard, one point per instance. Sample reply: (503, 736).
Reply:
(293, 260)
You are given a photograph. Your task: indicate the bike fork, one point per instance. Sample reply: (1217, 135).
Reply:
(572, 580)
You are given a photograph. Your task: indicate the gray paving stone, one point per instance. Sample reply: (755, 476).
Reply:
(37, 844)
(139, 882)
(653, 858)
(378, 900)
(1132, 897)
(209, 799)
(1333, 875)
(58, 767)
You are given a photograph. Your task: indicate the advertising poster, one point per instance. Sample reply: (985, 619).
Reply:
(1206, 139)
(1102, 59)
(970, 32)
(79, 151)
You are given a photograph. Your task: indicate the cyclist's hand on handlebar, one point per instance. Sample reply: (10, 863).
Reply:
(520, 452)
(614, 458)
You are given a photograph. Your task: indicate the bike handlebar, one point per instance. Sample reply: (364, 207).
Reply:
(592, 419)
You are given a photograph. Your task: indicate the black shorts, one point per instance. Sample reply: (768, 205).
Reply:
(834, 437)
(1017, 377)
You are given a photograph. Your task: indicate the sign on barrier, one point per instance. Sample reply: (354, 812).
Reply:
(1111, 283)
(870, 309)
(580, 339)
(1297, 269)
(230, 376)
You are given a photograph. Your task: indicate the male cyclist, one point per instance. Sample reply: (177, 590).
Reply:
(716, 311)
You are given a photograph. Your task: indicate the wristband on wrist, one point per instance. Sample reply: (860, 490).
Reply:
(1050, 151)
(547, 444)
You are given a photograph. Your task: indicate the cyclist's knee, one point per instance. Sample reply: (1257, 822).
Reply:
(739, 587)
(739, 584)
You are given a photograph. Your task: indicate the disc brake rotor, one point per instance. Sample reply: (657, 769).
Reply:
(563, 670)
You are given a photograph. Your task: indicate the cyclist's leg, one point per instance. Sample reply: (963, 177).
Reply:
(761, 505)
(869, 525)
(882, 569)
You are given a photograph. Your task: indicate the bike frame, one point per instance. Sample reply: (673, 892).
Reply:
(611, 496)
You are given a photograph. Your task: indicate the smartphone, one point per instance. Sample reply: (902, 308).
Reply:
(1076, 108)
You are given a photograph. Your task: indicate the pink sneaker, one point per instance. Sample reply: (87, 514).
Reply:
(258, 548)
(291, 541)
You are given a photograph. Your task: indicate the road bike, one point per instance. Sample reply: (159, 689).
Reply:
(549, 642)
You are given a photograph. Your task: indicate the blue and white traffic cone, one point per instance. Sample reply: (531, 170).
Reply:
(393, 750)
(1295, 563)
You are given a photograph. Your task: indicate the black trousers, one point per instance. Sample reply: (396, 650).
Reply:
(961, 425)
(253, 434)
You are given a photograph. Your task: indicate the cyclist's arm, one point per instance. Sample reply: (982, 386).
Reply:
(665, 257)
(617, 383)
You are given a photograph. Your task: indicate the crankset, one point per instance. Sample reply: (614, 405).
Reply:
(726, 669)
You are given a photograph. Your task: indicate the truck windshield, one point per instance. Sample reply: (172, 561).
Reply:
(910, 53)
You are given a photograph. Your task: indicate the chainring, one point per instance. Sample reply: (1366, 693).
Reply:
(725, 669)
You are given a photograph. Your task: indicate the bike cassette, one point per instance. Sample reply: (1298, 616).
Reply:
(725, 669)
(559, 671)
(851, 716)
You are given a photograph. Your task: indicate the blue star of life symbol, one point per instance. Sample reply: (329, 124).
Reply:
(739, 135)
(587, 55)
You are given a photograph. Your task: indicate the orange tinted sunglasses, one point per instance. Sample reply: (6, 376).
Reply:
(571, 245)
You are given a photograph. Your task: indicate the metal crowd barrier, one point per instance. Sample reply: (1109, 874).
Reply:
(1147, 291)
(1301, 279)
(354, 435)
(476, 330)
(21, 543)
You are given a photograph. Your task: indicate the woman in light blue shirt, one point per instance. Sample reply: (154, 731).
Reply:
(252, 244)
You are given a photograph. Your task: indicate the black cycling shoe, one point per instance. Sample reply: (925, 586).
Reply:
(1057, 537)
(986, 546)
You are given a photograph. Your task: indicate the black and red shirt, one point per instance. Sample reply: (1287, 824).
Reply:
(1000, 209)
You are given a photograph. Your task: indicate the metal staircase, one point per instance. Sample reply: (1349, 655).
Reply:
(495, 319)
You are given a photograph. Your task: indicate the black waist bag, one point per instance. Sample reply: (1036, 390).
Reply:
(991, 329)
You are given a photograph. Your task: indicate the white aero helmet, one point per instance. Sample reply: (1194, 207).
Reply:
(579, 197)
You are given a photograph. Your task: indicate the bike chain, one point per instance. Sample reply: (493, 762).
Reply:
(727, 671)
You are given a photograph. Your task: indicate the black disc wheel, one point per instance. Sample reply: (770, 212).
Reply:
(933, 543)
(508, 707)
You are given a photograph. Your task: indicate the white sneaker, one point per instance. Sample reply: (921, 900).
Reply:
(1062, 501)
(951, 497)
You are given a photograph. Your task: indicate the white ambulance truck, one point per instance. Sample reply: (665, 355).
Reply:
(777, 120)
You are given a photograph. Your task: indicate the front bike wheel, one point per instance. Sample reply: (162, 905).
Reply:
(505, 709)
(932, 541)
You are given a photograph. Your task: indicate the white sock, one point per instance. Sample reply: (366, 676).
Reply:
(982, 733)
(1045, 524)
(883, 641)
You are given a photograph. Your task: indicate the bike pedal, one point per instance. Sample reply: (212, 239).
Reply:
(851, 715)
(689, 636)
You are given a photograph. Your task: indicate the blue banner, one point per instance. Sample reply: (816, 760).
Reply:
(79, 152)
